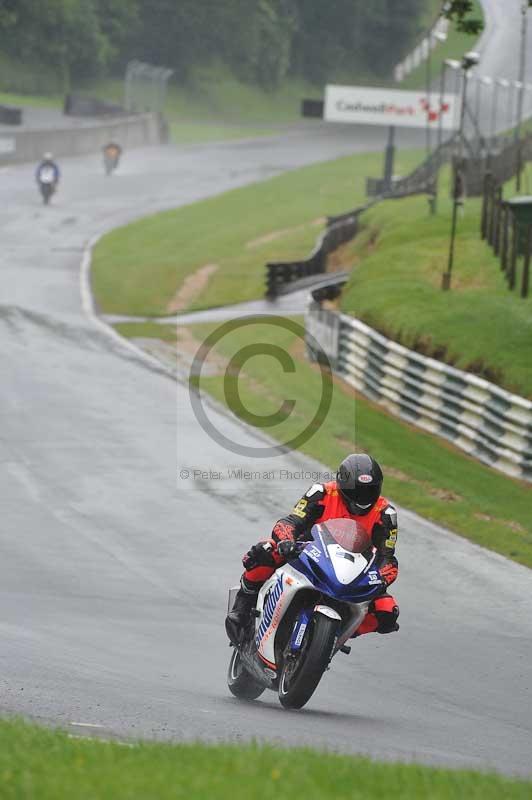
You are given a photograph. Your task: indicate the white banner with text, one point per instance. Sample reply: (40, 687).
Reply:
(370, 106)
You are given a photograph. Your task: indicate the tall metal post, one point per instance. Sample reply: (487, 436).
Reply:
(389, 159)
(495, 97)
(442, 95)
(428, 80)
(468, 61)
(504, 84)
(509, 105)
(521, 78)
(451, 64)
(432, 35)
(478, 80)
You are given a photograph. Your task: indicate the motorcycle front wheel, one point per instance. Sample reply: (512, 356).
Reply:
(302, 673)
(240, 682)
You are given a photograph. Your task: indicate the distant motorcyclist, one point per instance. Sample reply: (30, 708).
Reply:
(355, 494)
(47, 175)
(111, 156)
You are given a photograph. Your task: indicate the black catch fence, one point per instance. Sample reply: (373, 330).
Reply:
(339, 230)
(501, 164)
(481, 173)
(344, 227)
(507, 227)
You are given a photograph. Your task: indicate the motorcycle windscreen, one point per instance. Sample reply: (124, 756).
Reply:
(348, 533)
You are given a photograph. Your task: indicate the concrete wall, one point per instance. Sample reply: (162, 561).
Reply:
(138, 130)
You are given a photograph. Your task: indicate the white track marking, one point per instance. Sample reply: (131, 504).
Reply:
(86, 724)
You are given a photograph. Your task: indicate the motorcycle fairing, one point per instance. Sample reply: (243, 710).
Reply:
(336, 572)
(327, 568)
(274, 599)
(300, 627)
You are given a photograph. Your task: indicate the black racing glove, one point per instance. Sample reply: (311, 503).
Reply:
(260, 555)
(287, 549)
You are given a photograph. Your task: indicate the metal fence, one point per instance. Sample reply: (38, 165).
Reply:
(422, 180)
(500, 158)
(339, 229)
(145, 87)
(489, 423)
(510, 239)
(344, 227)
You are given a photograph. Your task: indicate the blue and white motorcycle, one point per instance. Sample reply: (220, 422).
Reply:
(305, 613)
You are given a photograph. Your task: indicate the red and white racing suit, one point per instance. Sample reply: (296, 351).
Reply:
(320, 503)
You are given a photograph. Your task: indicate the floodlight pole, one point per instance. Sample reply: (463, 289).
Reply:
(428, 80)
(442, 95)
(389, 159)
(522, 66)
(468, 61)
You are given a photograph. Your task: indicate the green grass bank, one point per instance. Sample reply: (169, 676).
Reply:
(400, 295)
(41, 764)
(422, 472)
(213, 106)
(138, 269)
(395, 287)
(397, 262)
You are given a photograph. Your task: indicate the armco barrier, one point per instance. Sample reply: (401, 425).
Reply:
(344, 227)
(79, 105)
(339, 230)
(486, 421)
(131, 131)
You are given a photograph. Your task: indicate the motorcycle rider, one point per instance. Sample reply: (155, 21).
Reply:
(46, 168)
(111, 156)
(356, 495)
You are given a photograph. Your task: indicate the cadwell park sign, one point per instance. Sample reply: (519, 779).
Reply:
(390, 107)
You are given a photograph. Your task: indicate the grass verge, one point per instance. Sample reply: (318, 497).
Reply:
(479, 325)
(49, 765)
(399, 258)
(422, 472)
(213, 94)
(184, 132)
(138, 269)
(32, 100)
(213, 106)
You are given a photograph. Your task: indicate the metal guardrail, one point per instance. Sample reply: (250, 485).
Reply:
(339, 230)
(344, 227)
(485, 421)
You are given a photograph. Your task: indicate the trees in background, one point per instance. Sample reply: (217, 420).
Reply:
(265, 40)
(350, 37)
(78, 38)
(262, 41)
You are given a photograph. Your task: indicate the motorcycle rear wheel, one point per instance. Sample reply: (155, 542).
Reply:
(300, 678)
(240, 682)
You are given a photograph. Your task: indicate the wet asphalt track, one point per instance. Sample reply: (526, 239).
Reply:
(114, 568)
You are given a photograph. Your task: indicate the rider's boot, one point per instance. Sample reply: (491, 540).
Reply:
(245, 599)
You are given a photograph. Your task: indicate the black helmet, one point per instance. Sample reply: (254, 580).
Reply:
(359, 480)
